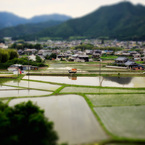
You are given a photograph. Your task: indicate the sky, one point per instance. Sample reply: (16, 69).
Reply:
(73, 8)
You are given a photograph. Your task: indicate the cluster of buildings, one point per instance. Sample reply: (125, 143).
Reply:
(72, 43)
(124, 61)
(19, 69)
(64, 51)
(94, 42)
(89, 55)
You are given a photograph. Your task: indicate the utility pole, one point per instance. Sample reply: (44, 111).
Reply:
(28, 72)
(100, 67)
(28, 66)
(28, 63)
(100, 78)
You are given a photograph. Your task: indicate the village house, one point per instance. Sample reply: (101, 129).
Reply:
(143, 59)
(118, 53)
(130, 64)
(2, 45)
(82, 58)
(45, 52)
(68, 52)
(32, 57)
(89, 52)
(109, 52)
(63, 56)
(133, 52)
(26, 67)
(121, 60)
(30, 51)
(19, 67)
(20, 52)
(80, 52)
(125, 53)
(136, 55)
(73, 57)
(97, 54)
(14, 67)
(138, 67)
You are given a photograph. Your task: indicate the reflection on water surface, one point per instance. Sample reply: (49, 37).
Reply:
(133, 82)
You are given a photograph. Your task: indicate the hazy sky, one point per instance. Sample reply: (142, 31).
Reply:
(74, 8)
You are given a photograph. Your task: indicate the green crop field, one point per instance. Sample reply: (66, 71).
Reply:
(119, 110)
(126, 121)
(100, 90)
(117, 99)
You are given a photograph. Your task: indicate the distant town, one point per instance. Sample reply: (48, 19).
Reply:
(127, 54)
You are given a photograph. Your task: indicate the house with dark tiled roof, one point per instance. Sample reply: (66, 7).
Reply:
(121, 60)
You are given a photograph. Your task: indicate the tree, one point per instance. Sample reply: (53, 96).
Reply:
(5, 56)
(38, 46)
(38, 59)
(83, 47)
(14, 45)
(25, 124)
(52, 56)
(13, 54)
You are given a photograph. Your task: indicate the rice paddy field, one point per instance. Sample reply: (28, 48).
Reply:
(74, 121)
(126, 121)
(100, 90)
(117, 99)
(84, 114)
(33, 85)
(60, 67)
(85, 67)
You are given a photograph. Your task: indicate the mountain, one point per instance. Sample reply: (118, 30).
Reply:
(27, 29)
(9, 19)
(122, 21)
(51, 17)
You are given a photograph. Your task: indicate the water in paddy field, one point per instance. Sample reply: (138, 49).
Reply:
(33, 85)
(73, 119)
(22, 93)
(132, 82)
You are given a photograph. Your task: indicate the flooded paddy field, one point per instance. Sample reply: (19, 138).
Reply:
(125, 82)
(94, 114)
(21, 93)
(34, 85)
(126, 121)
(73, 119)
(8, 88)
